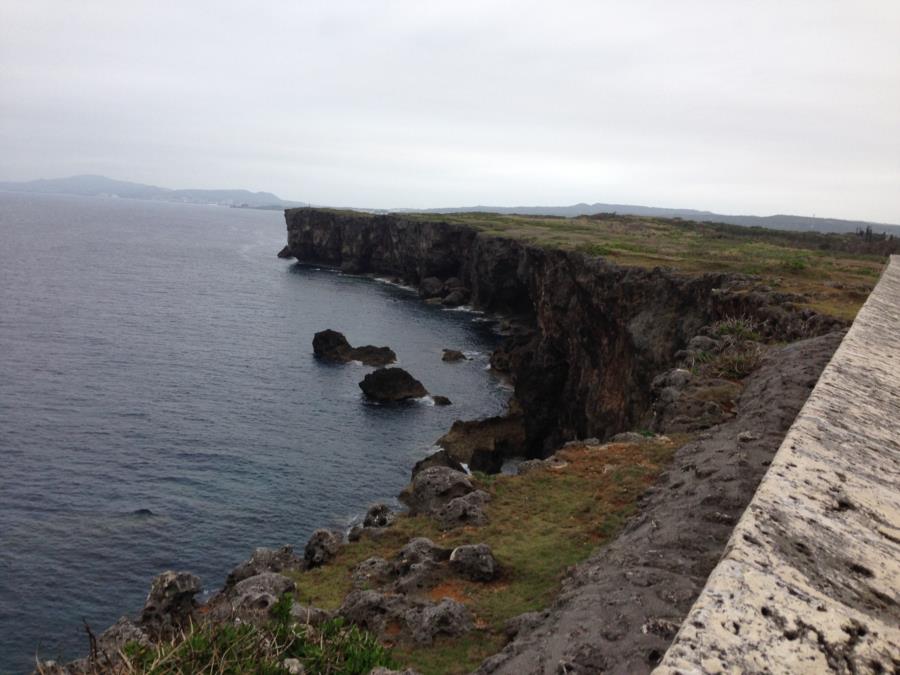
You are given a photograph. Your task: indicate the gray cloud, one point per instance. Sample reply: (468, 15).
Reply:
(758, 107)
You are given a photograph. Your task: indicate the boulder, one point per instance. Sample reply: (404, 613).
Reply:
(447, 618)
(421, 549)
(475, 562)
(463, 511)
(378, 515)
(441, 400)
(431, 287)
(265, 560)
(455, 298)
(434, 487)
(453, 355)
(391, 384)
(453, 283)
(484, 444)
(321, 548)
(309, 615)
(439, 458)
(374, 611)
(285, 253)
(170, 602)
(330, 345)
(372, 572)
(260, 592)
(703, 343)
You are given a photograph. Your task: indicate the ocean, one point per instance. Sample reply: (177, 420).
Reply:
(161, 408)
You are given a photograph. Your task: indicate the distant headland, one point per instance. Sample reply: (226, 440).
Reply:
(101, 186)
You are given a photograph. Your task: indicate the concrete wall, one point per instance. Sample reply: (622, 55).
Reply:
(810, 580)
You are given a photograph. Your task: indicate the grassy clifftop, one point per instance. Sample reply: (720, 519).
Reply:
(833, 272)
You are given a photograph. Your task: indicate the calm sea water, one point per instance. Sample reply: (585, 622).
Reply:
(158, 357)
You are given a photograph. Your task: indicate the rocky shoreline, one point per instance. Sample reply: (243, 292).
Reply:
(600, 350)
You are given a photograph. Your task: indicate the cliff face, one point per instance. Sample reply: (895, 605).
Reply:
(602, 332)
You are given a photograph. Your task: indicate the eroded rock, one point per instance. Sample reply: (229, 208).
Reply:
(321, 548)
(330, 345)
(463, 511)
(433, 487)
(475, 562)
(389, 385)
(266, 560)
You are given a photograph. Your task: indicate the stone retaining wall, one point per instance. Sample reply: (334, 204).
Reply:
(810, 580)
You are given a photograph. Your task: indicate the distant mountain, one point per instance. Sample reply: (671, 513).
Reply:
(777, 222)
(101, 186)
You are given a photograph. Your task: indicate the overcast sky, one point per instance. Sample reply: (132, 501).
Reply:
(760, 107)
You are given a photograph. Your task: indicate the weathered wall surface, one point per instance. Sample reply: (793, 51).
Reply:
(810, 579)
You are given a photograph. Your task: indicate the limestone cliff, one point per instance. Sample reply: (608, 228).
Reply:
(602, 332)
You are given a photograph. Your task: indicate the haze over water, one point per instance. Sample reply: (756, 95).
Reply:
(160, 406)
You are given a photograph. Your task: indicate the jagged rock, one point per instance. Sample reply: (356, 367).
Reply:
(431, 287)
(372, 572)
(447, 618)
(703, 343)
(309, 615)
(455, 298)
(433, 487)
(375, 611)
(285, 253)
(321, 548)
(170, 601)
(484, 444)
(260, 592)
(399, 617)
(439, 458)
(121, 633)
(378, 515)
(391, 384)
(475, 562)
(330, 345)
(265, 560)
(421, 549)
(463, 511)
(452, 355)
(441, 400)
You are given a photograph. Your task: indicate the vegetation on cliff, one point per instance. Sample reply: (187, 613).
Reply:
(833, 272)
(539, 524)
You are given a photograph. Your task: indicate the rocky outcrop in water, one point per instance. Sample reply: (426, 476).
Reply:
(330, 345)
(484, 444)
(390, 385)
(602, 333)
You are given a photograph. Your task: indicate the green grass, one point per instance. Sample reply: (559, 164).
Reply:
(333, 648)
(540, 524)
(833, 272)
